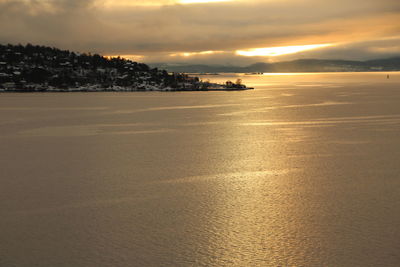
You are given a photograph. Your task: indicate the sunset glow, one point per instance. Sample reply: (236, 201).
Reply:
(201, 133)
(202, 1)
(278, 51)
(130, 57)
(154, 3)
(189, 54)
(215, 32)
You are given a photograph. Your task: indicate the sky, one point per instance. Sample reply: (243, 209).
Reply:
(225, 32)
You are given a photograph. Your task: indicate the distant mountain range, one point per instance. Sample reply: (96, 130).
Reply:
(301, 65)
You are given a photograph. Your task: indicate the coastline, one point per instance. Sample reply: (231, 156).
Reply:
(91, 90)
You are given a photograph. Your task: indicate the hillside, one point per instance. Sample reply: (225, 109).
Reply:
(40, 68)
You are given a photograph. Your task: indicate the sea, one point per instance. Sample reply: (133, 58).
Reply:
(304, 170)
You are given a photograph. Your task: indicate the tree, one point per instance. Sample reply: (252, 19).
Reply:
(37, 75)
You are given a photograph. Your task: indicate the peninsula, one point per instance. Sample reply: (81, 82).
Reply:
(32, 68)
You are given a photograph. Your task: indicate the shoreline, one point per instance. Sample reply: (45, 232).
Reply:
(122, 90)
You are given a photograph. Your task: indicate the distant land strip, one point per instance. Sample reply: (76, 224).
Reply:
(301, 65)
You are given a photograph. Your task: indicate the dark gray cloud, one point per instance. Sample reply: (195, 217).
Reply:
(158, 31)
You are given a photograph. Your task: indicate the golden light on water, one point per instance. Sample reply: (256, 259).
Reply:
(287, 74)
(278, 51)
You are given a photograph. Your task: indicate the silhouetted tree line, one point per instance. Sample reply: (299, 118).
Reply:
(48, 66)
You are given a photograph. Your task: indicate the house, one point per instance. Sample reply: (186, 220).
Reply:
(9, 86)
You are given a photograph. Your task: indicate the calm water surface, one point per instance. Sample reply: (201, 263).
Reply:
(302, 171)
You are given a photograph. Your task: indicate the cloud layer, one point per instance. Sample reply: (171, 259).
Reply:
(359, 29)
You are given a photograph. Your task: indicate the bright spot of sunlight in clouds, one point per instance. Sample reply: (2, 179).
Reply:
(130, 57)
(201, 1)
(113, 3)
(278, 51)
(189, 54)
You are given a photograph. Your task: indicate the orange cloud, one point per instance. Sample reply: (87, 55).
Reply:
(278, 51)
